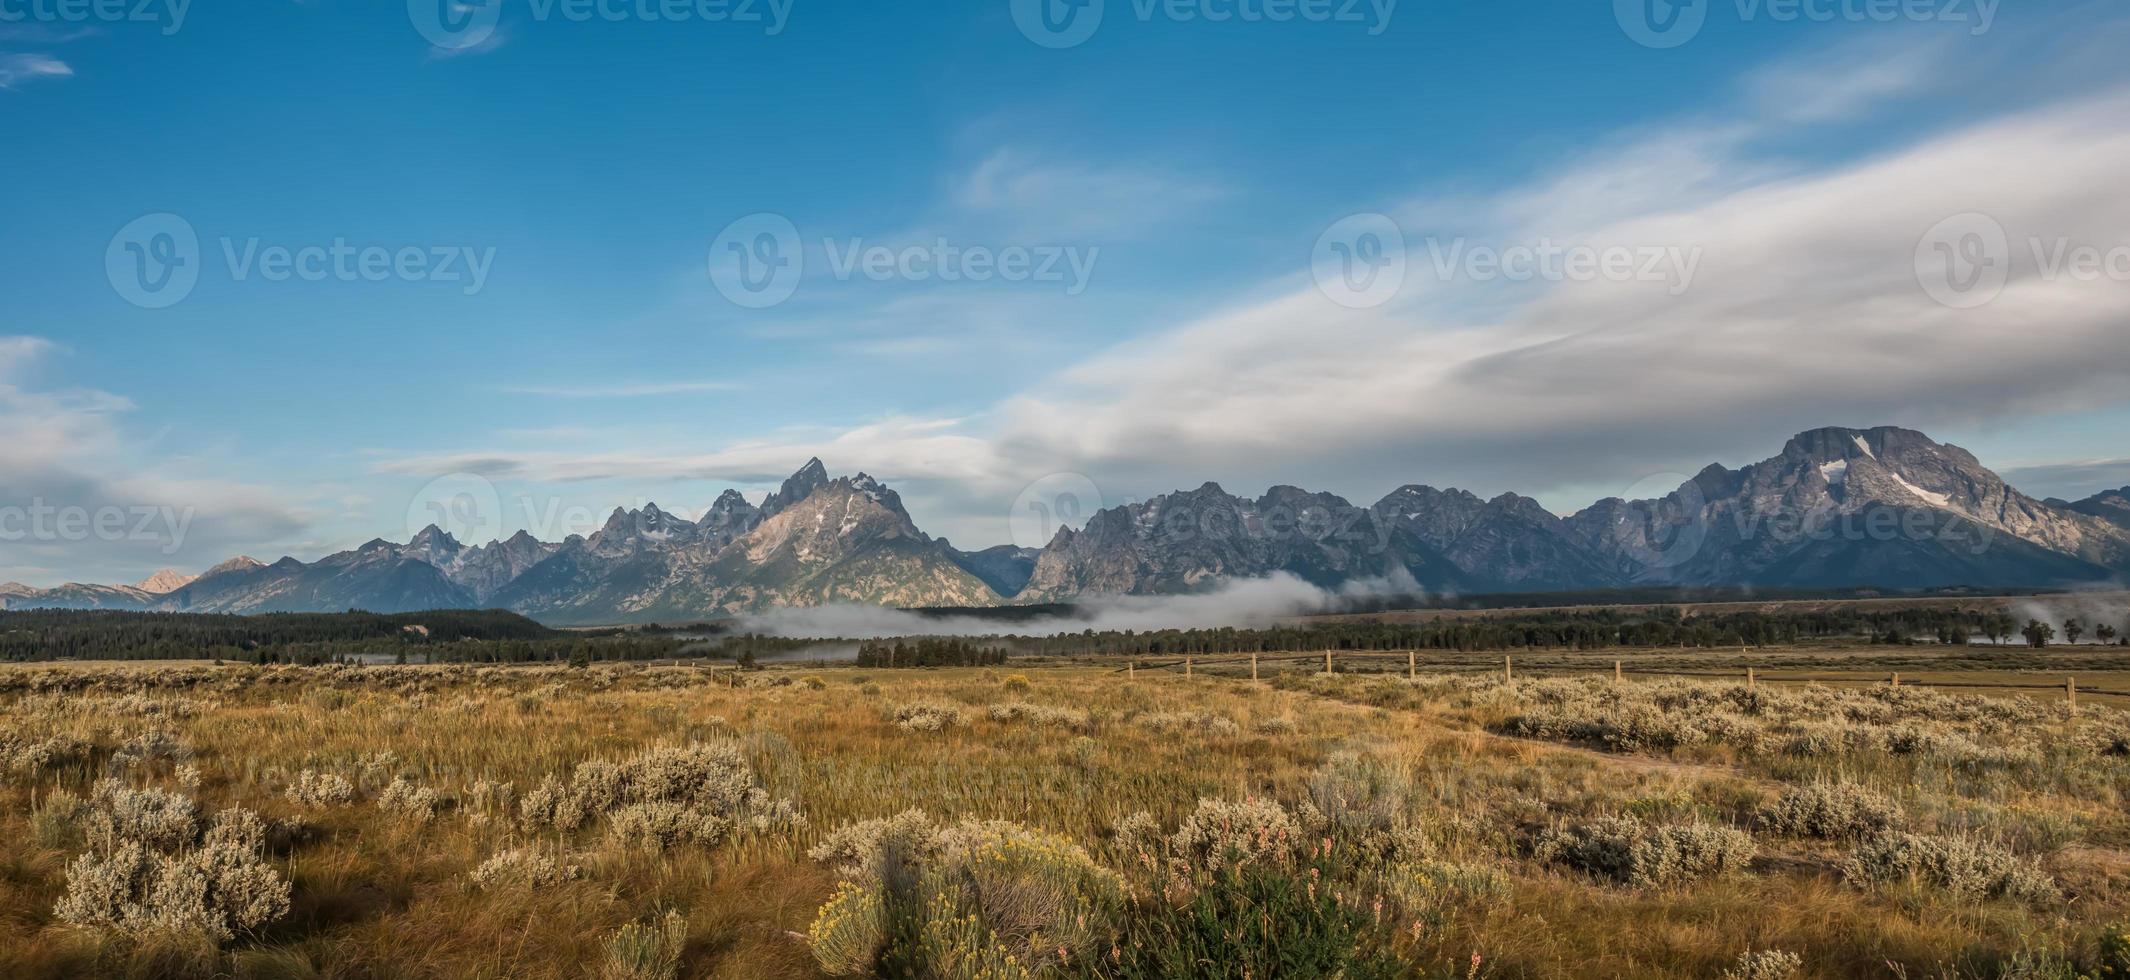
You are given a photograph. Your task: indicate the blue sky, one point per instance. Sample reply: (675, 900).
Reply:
(1191, 166)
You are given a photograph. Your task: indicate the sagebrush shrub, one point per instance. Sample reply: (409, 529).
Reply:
(416, 804)
(314, 788)
(157, 819)
(524, 866)
(1766, 964)
(927, 716)
(1042, 715)
(150, 746)
(1203, 723)
(1628, 851)
(864, 851)
(216, 885)
(1834, 811)
(1220, 834)
(978, 898)
(1963, 866)
(1276, 727)
(696, 793)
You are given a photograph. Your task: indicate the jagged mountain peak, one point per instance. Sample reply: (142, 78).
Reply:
(1521, 506)
(800, 485)
(1878, 443)
(241, 563)
(435, 540)
(163, 582)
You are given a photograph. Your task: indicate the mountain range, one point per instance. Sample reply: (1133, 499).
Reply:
(1882, 507)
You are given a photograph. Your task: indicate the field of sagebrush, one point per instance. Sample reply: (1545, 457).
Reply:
(688, 821)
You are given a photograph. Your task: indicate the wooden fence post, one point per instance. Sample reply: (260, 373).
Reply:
(1253, 667)
(1751, 683)
(1618, 672)
(1186, 665)
(1412, 665)
(1327, 661)
(2070, 694)
(1897, 678)
(1508, 670)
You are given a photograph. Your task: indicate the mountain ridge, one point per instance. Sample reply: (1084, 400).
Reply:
(1837, 507)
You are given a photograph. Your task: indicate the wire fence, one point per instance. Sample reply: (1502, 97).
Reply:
(1509, 666)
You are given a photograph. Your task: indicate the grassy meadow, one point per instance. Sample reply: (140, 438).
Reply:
(1054, 820)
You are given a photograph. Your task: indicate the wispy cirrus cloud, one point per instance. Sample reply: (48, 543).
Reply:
(18, 68)
(1036, 195)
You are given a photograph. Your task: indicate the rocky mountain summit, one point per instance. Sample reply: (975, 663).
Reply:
(1882, 507)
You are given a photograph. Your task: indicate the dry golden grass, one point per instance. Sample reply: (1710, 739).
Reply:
(378, 892)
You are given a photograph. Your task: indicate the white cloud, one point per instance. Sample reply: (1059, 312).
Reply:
(1804, 309)
(1037, 197)
(18, 68)
(63, 449)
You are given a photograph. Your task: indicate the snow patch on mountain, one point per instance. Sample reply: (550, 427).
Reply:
(1935, 499)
